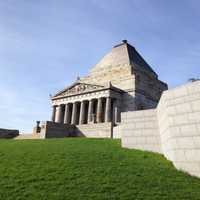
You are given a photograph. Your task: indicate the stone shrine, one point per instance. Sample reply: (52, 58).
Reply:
(122, 81)
(123, 98)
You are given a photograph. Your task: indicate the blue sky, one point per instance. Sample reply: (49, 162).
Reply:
(45, 45)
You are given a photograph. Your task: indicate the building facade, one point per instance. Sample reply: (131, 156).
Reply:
(121, 82)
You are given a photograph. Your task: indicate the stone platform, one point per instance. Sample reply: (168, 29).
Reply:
(26, 137)
(8, 133)
(49, 129)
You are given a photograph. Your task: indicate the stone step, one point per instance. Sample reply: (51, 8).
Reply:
(26, 137)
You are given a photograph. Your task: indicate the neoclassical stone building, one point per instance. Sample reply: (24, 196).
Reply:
(84, 103)
(122, 81)
(121, 98)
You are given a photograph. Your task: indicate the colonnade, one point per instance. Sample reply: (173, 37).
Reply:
(98, 110)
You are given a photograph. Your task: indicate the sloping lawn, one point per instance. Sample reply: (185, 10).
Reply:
(80, 168)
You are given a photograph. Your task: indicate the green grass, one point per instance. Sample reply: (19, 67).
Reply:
(83, 168)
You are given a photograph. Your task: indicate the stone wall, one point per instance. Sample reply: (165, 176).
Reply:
(7, 133)
(50, 129)
(97, 130)
(179, 122)
(55, 130)
(117, 131)
(175, 125)
(141, 90)
(125, 79)
(139, 130)
(149, 85)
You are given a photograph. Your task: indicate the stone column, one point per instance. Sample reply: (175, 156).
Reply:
(66, 116)
(90, 111)
(74, 113)
(82, 113)
(108, 110)
(114, 112)
(117, 111)
(58, 114)
(53, 117)
(99, 111)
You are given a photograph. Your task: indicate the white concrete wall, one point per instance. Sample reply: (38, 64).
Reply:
(179, 123)
(177, 135)
(139, 130)
(117, 132)
(98, 130)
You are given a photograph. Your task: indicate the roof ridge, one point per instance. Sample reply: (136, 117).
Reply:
(127, 46)
(138, 58)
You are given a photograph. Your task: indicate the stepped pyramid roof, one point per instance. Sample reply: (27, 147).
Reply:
(123, 54)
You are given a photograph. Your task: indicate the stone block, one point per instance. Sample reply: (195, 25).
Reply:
(152, 140)
(179, 155)
(180, 91)
(196, 141)
(139, 125)
(183, 108)
(188, 130)
(194, 117)
(191, 167)
(181, 119)
(149, 132)
(193, 88)
(175, 130)
(196, 105)
(185, 143)
(171, 110)
(192, 155)
(141, 140)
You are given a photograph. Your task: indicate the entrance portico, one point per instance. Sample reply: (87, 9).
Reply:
(86, 105)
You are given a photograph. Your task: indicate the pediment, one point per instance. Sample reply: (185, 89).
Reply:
(78, 88)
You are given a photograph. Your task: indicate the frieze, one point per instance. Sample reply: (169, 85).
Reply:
(80, 88)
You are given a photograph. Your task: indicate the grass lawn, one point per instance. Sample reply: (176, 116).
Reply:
(80, 168)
